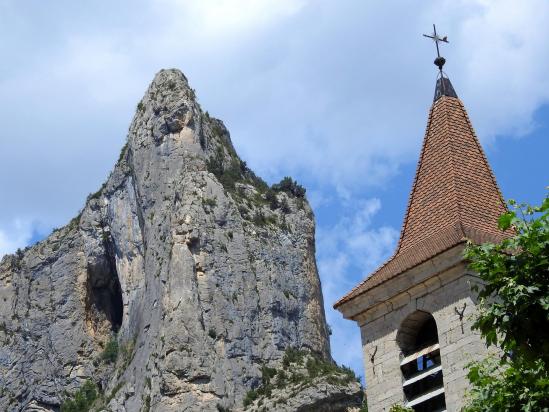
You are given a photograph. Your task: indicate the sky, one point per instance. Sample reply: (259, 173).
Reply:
(333, 93)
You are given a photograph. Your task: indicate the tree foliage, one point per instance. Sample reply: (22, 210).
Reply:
(300, 369)
(514, 314)
(81, 400)
(110, 353)
(508, 386)
(289, 186)
(400, 408)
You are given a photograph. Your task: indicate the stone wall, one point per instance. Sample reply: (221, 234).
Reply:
(440, 295)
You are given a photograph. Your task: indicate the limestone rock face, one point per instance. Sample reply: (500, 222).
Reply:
(305, 382)
(185, 259)
(321, 396)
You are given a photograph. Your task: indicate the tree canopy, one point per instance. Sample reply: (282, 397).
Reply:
(514, 314)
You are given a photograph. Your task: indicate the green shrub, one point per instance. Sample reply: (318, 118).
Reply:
(110, 353)
(281, 378)
(127, 350)
(147, 403)
(399, 408)
(289, 186)
(259, 219)
(292, 356)
(95, 195)
(233, 170)
(227, 174)
(209, 202)
(250, 397)
(215, 162)
(267, 374)
(123, 152)
(285, 207)
(75, 221)
(81, 400)
(271, 198)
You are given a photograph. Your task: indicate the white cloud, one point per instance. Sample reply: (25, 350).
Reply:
(100, 68)
(349, 250)
(219, 18)
(501, 61)
(335, 92)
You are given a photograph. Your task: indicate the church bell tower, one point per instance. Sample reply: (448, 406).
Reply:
(415, 311)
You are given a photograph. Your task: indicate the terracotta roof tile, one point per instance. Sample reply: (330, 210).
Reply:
(454, 197)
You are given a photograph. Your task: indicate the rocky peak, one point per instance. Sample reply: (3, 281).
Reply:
(184, 275)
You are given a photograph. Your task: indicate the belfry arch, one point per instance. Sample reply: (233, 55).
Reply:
(410, 330)
(420, 363)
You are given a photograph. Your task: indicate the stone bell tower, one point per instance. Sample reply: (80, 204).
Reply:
(414, 312)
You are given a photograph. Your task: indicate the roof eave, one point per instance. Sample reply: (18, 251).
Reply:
(400, 282)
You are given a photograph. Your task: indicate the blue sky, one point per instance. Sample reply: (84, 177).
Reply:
(334, 93)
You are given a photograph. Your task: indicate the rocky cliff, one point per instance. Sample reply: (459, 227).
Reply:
(182, 278)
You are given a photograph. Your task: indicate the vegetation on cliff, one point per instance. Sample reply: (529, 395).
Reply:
(300, 369)
(233, 173)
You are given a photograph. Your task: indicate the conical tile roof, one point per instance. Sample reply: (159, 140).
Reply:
(454, 197)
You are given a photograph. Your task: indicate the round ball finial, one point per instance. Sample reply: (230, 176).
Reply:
(439, 62)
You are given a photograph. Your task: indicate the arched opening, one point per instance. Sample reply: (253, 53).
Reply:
(104, 293)
(422, 379)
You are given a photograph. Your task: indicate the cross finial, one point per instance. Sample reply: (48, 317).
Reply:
(439, 61)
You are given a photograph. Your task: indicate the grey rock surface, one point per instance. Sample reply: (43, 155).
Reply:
(320, 396)
(306, 382)
(183, 257)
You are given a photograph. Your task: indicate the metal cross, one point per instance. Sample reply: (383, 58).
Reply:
(439, 61)
(436, 38)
